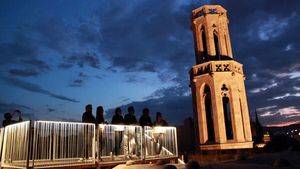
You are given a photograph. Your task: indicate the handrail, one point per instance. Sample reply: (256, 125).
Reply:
(52, 143)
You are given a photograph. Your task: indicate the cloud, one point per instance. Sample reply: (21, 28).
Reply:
(23, 73)
(77, 83)
(7, 107)
(273, 27)
(81, 60)
(266, 108)
(80, 80)
(174, 109)
(39, 64)
(264, 88)
(20, 47)
(50, 110)
(33, 67)
(291, 75)
(285, 95)
(35, 88)
(141, 36)
(281, 116)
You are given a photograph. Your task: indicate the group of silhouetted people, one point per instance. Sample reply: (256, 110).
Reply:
(128, 119)
(8, 118)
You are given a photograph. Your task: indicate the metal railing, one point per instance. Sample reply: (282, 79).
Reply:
(63, 143)
(119, 142)
(160, 142)
(47, 143)
(16, 145)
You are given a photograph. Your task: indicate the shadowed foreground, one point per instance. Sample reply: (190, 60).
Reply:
(286, 160)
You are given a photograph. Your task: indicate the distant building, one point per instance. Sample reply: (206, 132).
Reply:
(217, 83)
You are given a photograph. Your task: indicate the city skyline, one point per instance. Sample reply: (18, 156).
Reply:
(58, 56)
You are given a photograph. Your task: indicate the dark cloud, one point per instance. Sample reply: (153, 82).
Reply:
(156, 39)
(50, 110)
(135, 79)
(39, 64)
(23, 73)
(54, 33)
(80, 80)
(83, 75)
(34, 67)
(19, 48)
(77, 83)
(144, 36)
(89, 33)
(81, 60)
(8, 107)
(174, 109)
(35, 88)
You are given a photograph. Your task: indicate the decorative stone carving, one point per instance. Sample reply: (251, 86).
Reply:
(223, 119)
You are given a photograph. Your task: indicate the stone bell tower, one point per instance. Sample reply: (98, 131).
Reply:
(217, 84)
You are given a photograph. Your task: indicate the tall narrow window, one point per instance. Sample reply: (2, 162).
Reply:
(226, 46)
(227, 117)
(209, 115)
(242, 116)
(216, 41)
(203, 37)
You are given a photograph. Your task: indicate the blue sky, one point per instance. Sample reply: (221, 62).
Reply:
(58, 56)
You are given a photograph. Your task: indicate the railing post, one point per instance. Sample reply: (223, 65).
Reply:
(29, 152)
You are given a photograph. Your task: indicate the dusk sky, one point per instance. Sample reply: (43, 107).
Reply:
(58, 56)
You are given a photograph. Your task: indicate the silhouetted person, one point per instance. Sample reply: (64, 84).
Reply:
(100, 115)
(159, 120)
(8, 118)
(88, 116)
(145, 119)
(130, 117)
(117, 118)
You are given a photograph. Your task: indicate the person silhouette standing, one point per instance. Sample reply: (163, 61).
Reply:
(100, 115)
(88, 116)
(118, 119)
(145, 119)
(130, 117)
(159, 120)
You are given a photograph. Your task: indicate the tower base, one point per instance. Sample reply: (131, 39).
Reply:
(227, 146)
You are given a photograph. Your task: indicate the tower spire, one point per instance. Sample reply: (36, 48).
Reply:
(211, 34)
(217, 84)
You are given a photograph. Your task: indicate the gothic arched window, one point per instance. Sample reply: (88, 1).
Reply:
(209, 115)
(216, 41)
(227, 117)
(204, 45)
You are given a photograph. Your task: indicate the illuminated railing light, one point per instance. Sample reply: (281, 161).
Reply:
(62, 143)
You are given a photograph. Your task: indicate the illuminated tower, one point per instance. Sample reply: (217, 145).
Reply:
(217, 84)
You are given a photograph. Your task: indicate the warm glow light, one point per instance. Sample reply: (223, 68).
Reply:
(159, 130)
(119, 128)
(65, 143)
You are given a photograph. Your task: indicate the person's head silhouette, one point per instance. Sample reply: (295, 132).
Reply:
(100, 110)
(118, 111)
(130, 110)
(146, 112)
(89, 108)
(158, 116)
(7, 116)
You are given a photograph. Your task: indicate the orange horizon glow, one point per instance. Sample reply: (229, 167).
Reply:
(282, 124)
